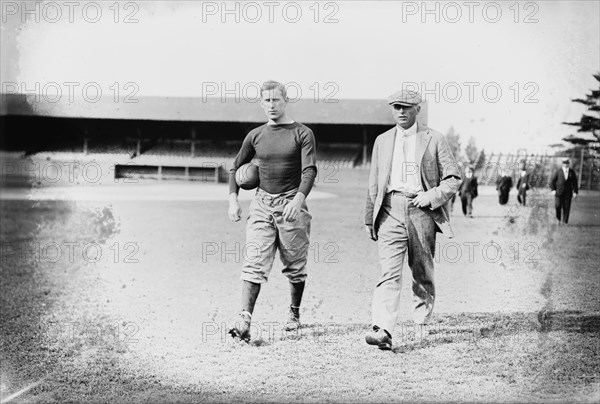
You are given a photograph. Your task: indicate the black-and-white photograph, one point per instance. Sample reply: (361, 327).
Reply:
(299, 201)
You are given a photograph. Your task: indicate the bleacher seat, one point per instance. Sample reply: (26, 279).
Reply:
(340, 155)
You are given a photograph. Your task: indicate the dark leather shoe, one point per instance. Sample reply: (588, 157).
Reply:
(379, 337)
(241, 330)
(293, 322)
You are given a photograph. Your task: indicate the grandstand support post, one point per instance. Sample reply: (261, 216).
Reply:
(138, 150)
(364, 147)
(193, 143)
(581, 166)
(85, 145)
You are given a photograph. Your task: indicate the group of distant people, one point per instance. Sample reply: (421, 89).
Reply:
(563, 184)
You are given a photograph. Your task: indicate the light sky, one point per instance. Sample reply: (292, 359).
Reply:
(372, 50)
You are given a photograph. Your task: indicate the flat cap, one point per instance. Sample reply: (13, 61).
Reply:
(566, 160)
(406, 97)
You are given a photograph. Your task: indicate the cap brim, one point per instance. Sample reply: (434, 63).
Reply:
(402, 103)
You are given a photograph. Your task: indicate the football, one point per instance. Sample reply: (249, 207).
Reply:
(247, 176)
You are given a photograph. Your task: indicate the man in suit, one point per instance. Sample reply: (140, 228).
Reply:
(522, 186)
(564, 188)
(413, 175)
(503, 185)
(468, 191)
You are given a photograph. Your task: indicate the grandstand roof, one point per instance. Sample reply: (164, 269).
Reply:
(344, 111)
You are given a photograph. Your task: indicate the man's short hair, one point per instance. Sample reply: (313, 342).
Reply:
(272, 85)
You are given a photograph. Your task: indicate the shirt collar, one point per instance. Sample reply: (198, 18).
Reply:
(407, 132)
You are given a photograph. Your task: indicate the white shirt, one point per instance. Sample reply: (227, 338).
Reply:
(406, 173)
(566, 172)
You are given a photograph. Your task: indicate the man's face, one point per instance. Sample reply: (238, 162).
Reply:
(565, 166)
(405, 115)
(273, 103)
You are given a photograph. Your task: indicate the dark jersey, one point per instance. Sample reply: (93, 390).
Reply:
(286, 157)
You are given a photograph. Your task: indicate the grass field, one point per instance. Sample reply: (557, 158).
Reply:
(129, 301)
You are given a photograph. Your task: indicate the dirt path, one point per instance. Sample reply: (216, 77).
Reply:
(517, 311)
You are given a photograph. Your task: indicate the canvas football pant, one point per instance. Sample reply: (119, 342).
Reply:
(267, 232)
(404, 228)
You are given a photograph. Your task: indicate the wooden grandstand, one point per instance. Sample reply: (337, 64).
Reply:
(197, 139)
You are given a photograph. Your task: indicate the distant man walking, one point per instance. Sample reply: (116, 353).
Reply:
(413, 175)
(503, 185)
(278, 217)
(523, 187)
(564, 188)
(468, 191)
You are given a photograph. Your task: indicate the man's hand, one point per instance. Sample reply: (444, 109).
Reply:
(293, 208)
(421, 200)
(235, 211)
(574, 196)
(371, 232)
(553, 193)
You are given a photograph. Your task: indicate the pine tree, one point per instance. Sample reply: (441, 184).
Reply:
(588, 123)
(480, 160)
(454, 143)
(471, 151)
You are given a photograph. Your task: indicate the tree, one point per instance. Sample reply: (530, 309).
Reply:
(471, 151)
(480, 160)
(454, 142)
(588, 123)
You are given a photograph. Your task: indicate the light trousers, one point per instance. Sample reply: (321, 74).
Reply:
(404, 228)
